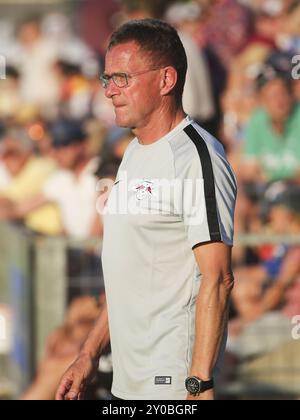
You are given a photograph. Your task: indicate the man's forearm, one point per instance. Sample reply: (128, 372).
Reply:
(98, 337)
(21, 210)
(211, 321)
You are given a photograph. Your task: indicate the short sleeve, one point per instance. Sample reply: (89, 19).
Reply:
(209, 198)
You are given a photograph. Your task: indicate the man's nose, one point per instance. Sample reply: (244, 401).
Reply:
(111, 89)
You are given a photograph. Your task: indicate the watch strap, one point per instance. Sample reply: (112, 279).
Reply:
(206, 385)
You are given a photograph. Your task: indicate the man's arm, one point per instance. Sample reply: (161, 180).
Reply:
(21, 210)
(214, 261)
(10, 210)
(75, 380)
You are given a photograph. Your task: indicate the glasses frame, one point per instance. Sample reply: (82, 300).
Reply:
(105, 78)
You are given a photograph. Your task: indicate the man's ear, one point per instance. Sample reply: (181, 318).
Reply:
(168, 81)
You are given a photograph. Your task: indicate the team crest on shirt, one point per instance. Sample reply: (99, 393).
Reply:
(144, 190)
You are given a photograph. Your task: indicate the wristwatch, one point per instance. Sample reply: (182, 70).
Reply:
(196, 386)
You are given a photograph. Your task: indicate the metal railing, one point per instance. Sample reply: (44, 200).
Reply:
(35, 282)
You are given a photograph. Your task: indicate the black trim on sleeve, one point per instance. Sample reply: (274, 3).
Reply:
(209, 183)
(205, 243)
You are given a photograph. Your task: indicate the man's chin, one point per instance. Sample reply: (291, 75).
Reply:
(123, 123)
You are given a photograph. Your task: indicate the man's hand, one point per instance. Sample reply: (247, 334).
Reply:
(204, 396)
(74, 382)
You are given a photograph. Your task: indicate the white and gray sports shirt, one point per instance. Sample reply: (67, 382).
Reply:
(169, 197)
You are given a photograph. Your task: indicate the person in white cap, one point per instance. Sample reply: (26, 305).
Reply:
(197, 96)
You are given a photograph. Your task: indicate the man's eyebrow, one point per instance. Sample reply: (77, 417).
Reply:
(116, 73)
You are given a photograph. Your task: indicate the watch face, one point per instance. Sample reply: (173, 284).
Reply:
(193, 385)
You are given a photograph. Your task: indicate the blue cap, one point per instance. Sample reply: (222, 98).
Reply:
(67, 132)
(268, 74)
(280, 61)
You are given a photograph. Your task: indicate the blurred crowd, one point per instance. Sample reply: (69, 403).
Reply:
(58, 136)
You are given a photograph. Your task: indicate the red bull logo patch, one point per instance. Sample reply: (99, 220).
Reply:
(144, 190)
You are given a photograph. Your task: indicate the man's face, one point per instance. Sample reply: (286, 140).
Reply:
(14, 155)
(134, 104)
(29, 33)
(67, 157)
(277, 100)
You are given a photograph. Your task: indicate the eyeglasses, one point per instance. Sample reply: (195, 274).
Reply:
(121, 80)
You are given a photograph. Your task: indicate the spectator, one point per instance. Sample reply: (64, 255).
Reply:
(28, 174)
(75, 91)
(272, 147)
(10, 99)
(36, 59)
(266, 302)
(228, 28)
(263, 287)
(73, 186)
(198, 100)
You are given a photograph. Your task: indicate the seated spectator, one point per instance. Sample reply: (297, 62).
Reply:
(228, 28)
(198, 99)
(267, 296)
(75, 90)
(27, 175)
(35, 59)
(290, 36)
(239, 101)
(268, 24)
(10, 99)
(262, 288)
(272, 147)
(73, 186)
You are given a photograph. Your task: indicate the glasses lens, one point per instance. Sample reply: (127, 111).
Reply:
(104, 81)
(120, 80)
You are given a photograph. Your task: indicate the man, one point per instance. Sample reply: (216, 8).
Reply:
(198, 95)
(164, 328)
(72, 187)
(35, 56)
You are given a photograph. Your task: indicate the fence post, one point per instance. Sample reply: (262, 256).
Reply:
(16, 293)
(50, 288)
(2, 67)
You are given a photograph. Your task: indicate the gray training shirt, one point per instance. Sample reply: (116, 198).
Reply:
(169, 197)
